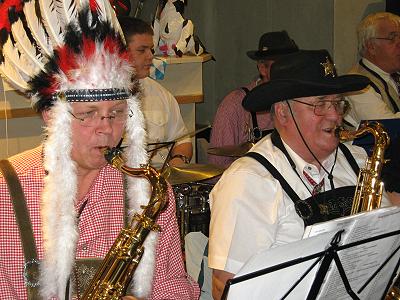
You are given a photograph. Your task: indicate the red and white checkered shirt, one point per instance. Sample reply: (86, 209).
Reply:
(100, 223)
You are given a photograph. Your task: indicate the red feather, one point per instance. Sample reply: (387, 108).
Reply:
(89, 47)
(93, 6)
(113, 45)
(67, 60)
(51, 90)
(5, 8)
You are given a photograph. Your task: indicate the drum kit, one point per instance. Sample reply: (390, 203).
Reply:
(191, 185)
(191, 194)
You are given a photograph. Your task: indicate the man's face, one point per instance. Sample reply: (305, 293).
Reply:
(318, 131)
(386, 53)
(88, 143)
(140, 49)
(264, 68)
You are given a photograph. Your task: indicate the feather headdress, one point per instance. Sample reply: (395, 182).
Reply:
(77, 48)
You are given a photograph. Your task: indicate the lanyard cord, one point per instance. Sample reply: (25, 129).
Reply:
(330, 176)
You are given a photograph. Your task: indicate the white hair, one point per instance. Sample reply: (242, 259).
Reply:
(367, 28)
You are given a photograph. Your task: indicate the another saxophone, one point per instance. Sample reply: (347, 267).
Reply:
(369, 188)
(368, 194)
(117, 269)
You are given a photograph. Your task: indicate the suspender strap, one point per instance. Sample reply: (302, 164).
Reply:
(275, 173)
(394, 105)
(285, 185)
(350, 158)
(31, 267)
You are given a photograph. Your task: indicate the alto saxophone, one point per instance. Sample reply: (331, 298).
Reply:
(369, 189)
(116, 270)
(368, 194)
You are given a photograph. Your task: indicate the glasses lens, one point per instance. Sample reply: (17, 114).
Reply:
(92, 118)
(321, 108)
(394, 36)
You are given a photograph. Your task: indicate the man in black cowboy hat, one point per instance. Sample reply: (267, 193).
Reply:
(233, 125)
(293, 177)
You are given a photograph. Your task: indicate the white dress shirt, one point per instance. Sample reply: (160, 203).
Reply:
(163, 118)
(250, 211)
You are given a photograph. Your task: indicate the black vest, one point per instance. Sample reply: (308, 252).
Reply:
(321, 207)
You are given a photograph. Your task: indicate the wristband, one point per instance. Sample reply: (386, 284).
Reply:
(184, 158)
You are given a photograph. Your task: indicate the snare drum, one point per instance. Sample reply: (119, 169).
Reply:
(192, 207)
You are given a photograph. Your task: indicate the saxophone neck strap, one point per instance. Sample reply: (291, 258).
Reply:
(31, 266)
(126, 202)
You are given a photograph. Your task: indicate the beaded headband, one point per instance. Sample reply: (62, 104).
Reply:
(91, 95)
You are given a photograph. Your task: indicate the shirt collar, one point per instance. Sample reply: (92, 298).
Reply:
(311, 169)
(375, 68)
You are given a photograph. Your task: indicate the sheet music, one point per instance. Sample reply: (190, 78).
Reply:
(359, 262)
(274, 285)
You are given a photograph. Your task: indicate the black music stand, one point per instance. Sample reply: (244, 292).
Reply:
(320, 264)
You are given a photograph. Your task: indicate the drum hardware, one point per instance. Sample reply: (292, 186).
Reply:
(232, 150)
(193, 209)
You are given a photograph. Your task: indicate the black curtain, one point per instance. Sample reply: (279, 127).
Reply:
(393, 6)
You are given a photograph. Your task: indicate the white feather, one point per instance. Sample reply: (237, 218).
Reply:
(67, 10)
(36, 27)
(51, 21)
(24, 45)
(104, 10)
(115, 24)
(107, 13)
(23, 65)
(12, 76)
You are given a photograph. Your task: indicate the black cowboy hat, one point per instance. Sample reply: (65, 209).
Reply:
(303, 74)
(273, 44)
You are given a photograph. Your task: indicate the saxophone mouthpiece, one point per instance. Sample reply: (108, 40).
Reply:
(338, 129)
(110, 153)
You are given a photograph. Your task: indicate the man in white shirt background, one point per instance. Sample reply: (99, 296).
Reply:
(379, 47)
(163, 119)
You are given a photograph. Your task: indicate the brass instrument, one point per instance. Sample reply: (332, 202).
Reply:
(394, 293)
(368, 194)
(117, 269)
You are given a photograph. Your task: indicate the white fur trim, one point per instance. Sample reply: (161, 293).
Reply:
(58, 210)
(139, 194)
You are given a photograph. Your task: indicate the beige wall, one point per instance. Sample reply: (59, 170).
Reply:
(230, 28)
(17, 134)
(347, 15)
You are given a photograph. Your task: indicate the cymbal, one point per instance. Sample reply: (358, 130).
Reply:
(186, 173)
(233, 151)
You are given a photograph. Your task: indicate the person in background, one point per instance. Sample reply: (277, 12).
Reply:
(296, 176)
(233, 125)
(163, 118)
(62, 205)
(379, 47)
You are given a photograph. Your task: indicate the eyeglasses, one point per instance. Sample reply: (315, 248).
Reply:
(322, 107)
(392, 37)
(93, 118)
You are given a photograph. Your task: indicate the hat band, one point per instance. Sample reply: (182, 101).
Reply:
(91, 95)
